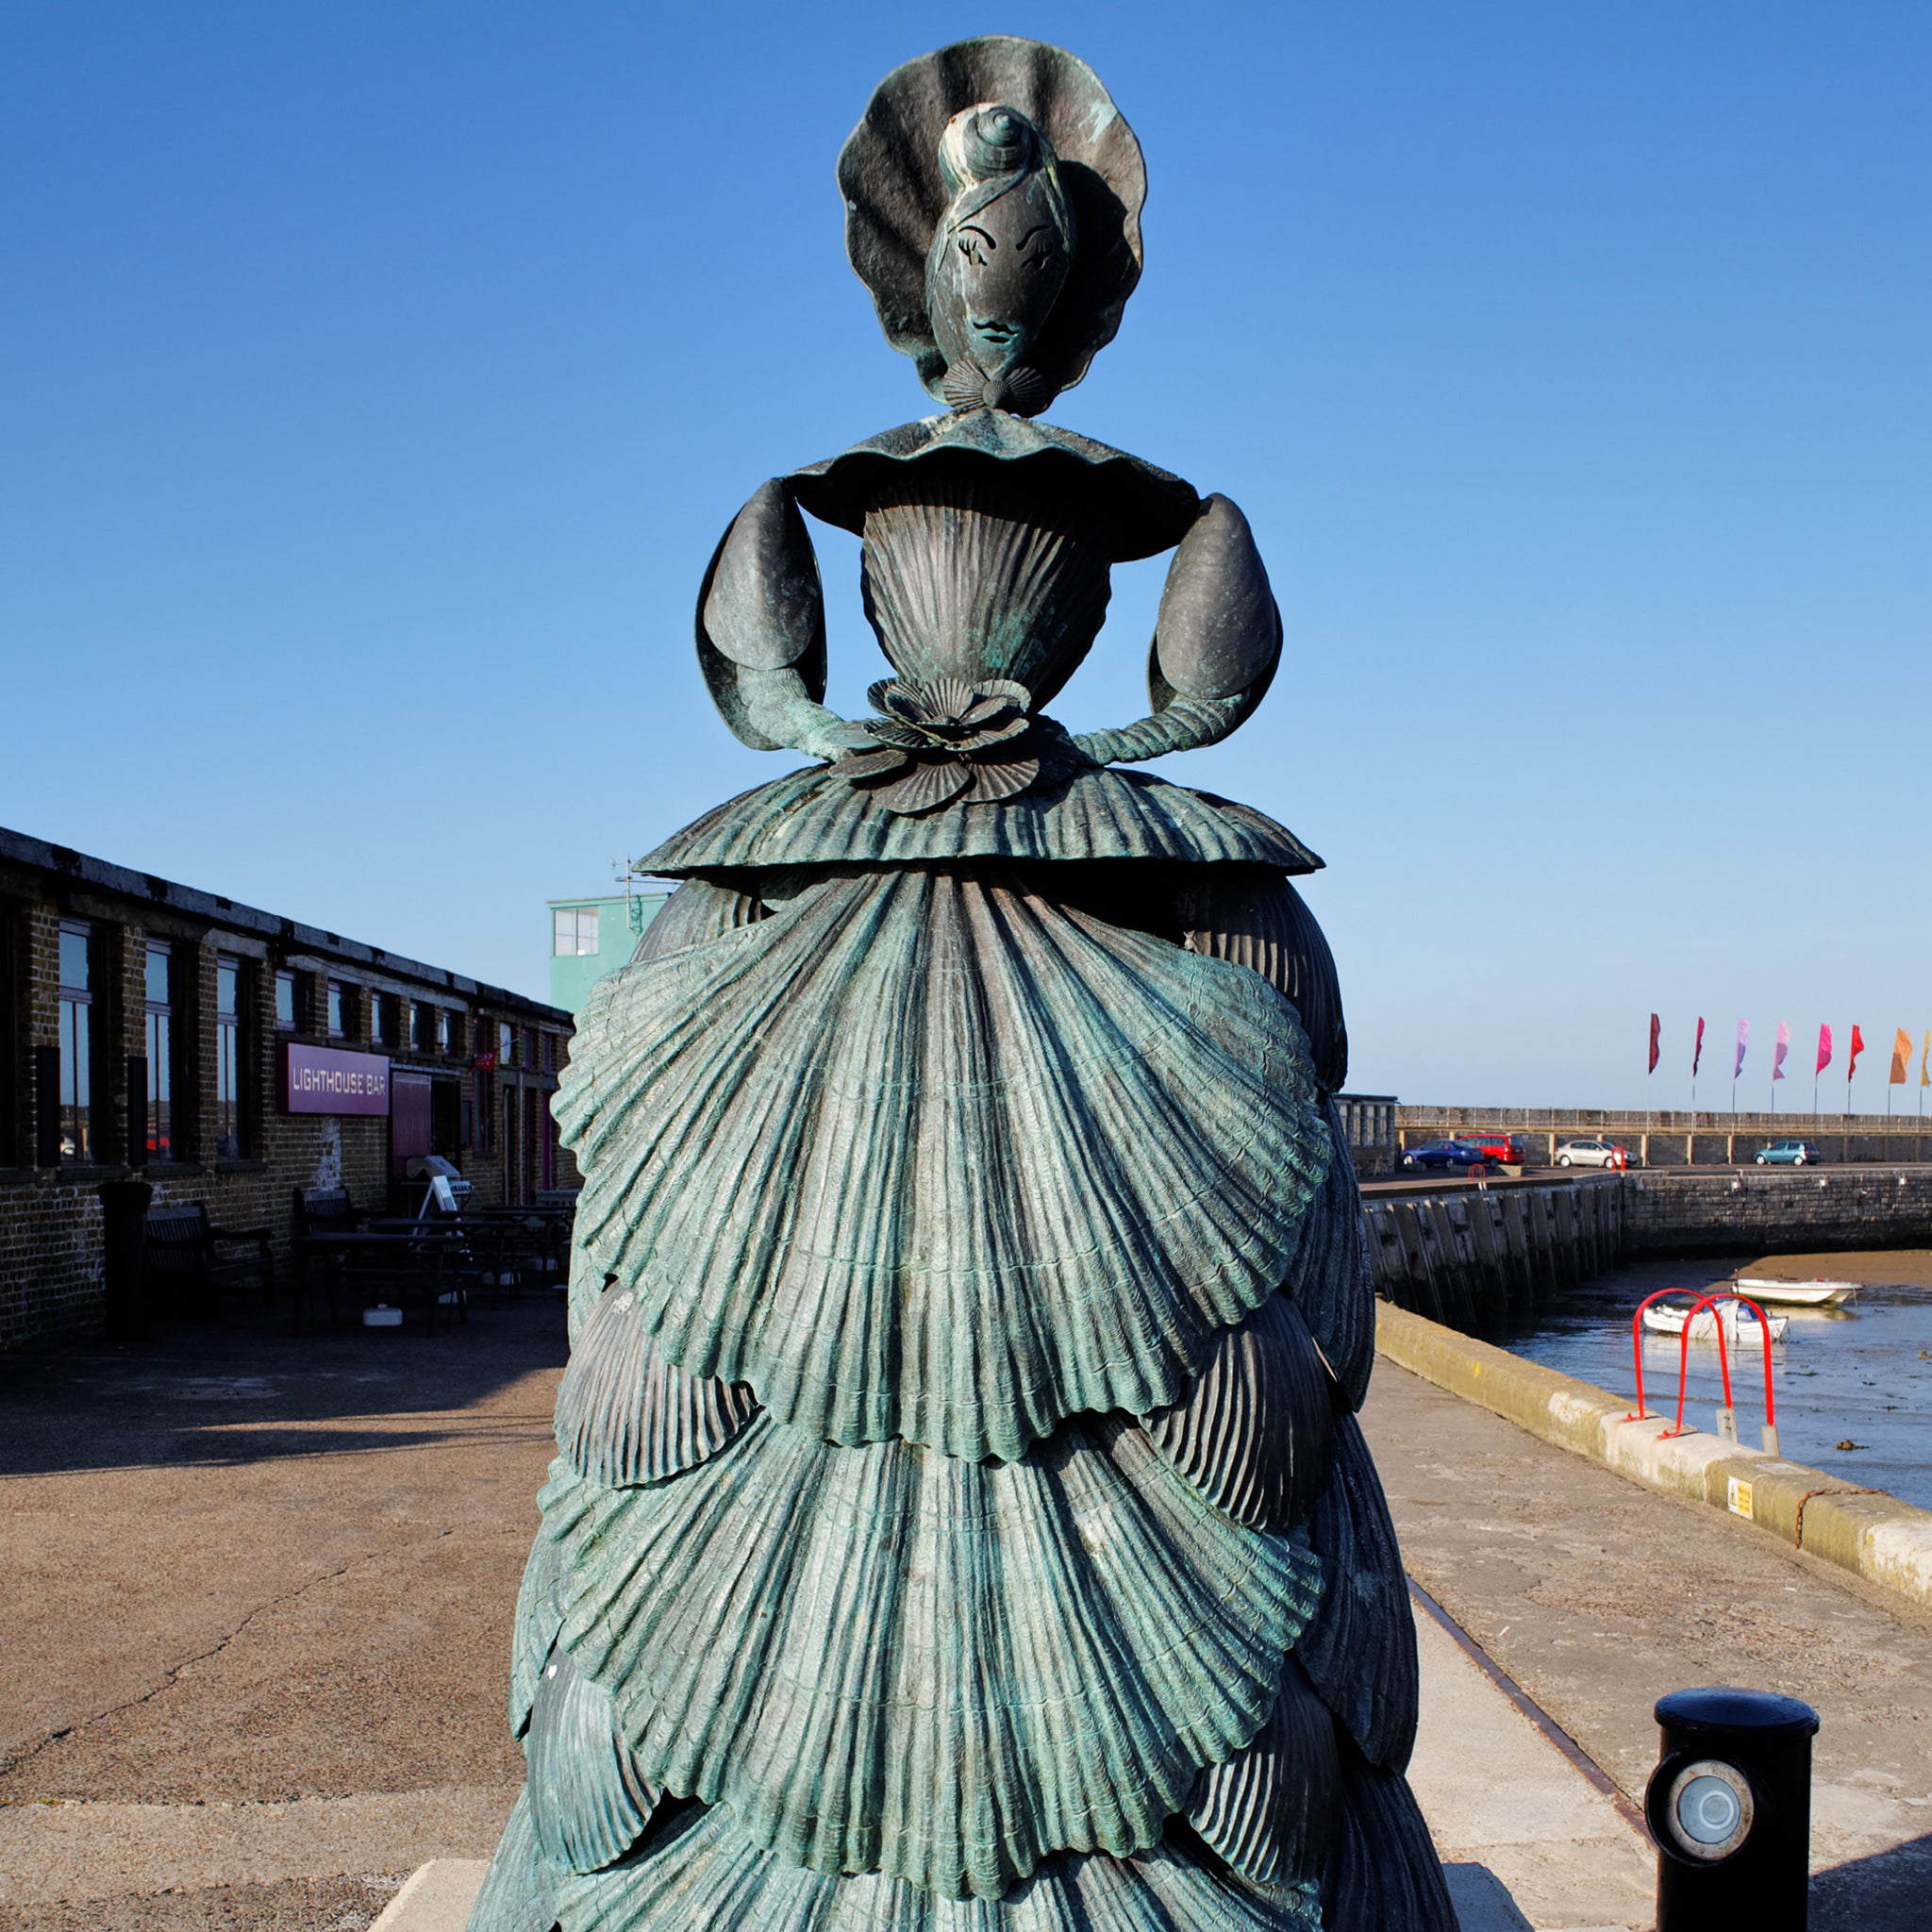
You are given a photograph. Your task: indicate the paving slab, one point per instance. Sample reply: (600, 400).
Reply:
(1597, 1596)
(1526, 1839)
(68, 1853)
(437, 1898)
(258, 1592)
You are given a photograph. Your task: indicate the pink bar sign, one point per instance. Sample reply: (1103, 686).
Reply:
(328, 1079)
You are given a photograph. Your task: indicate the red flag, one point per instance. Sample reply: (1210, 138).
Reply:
(1698, 1055)
(1655, 1030)
(1858, 1047)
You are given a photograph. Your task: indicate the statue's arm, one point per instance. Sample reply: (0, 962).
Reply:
(761, 633)
(1216, 643)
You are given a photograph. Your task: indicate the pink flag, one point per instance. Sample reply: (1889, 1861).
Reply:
(1824, 1048)
(1743, 1034)
(1784, 1046)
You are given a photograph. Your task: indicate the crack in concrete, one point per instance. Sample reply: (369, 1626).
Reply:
(11, 1763)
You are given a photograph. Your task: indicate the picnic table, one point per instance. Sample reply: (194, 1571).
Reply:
(412, 1256)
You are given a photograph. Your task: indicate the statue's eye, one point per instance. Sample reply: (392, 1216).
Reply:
(970, 240)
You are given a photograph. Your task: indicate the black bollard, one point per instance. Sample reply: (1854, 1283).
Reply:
(124, 1258)
(1729, 1806)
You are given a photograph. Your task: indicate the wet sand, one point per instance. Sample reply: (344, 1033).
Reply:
(1869, 1268)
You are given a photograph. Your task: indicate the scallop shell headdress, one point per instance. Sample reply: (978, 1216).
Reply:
(919, 141)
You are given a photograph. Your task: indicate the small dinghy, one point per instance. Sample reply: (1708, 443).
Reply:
(1740, 1324)
(1818, 1292)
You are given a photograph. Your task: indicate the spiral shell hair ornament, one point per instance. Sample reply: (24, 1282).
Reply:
(992, 143)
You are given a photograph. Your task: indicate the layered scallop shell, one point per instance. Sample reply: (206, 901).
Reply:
(956, 587)
(624, 1415)
(1269, 1811)
(1330, 1280)
(888, 1660)
(589, 1802)
(704, 1874)
(1258, 919)
(815, 817)
(1383, 1873)
(1359, 1649)
(1256, 1434)
(929, 1154)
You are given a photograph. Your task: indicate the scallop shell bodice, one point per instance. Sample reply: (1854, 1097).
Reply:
(956, 587)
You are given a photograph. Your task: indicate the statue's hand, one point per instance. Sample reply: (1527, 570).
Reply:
(1216, 645)
(832, 738)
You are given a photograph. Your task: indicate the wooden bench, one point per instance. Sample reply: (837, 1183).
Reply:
(185, 1270)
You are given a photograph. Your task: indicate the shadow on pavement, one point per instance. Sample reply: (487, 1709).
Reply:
(241, 1388)
(1482, 1901)
(1889, 1892)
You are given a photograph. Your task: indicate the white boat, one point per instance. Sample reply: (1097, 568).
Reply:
(1815, 1293)
(1739, 1323)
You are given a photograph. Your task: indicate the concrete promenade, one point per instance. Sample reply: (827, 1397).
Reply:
(259, 1592)
(1597, 1595)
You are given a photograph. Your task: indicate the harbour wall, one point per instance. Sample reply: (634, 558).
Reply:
(1676, 1140)
(1865, 1531)
(1678, 1211)
(1480, 1257)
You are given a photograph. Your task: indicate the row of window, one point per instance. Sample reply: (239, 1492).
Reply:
(167, 1030)
(413, 1024)
(171, 1079)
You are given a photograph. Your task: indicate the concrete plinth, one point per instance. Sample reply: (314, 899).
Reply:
(437, 1897)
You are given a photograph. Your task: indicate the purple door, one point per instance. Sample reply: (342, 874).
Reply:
(409, 1121)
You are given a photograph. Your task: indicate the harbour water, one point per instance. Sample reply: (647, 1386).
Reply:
(1853, 1385)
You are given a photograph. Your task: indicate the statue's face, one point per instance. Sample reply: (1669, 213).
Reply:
(993, 276)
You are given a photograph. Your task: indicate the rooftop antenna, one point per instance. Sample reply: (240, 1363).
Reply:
(628, 875)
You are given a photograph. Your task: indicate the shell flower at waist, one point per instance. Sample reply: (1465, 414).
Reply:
(944, 740)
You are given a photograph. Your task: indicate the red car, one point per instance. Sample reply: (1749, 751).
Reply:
(1504, 1150)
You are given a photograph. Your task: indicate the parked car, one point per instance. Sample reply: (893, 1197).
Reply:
(1790, 1154)
(1592, 1154)
(1506, 1150)
(1444, 1153)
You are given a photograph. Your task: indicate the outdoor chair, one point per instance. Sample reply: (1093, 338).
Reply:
(186, 1270)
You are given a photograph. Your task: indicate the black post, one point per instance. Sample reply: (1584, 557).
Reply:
(1729, 1806)
(123, 1228)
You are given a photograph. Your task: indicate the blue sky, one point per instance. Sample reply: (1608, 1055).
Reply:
(378, 379)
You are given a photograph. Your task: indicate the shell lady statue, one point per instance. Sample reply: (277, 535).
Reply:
(960, 1519)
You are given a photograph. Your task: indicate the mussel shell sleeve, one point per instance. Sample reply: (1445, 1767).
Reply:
(1219, 633)
(761, 624)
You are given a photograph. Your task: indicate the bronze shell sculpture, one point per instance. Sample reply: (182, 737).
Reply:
(960, 1521)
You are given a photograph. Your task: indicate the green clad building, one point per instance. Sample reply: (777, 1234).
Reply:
(590, 938)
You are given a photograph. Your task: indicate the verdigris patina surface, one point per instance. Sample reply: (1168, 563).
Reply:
(960, 1521)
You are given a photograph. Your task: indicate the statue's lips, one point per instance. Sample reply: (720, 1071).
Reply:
(1001, 332)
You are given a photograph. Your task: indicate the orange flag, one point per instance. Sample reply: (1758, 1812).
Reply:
(1901, 1056)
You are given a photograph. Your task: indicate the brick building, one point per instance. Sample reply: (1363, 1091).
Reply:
(150, 1029)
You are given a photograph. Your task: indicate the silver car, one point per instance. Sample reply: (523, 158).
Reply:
(1589, 1153)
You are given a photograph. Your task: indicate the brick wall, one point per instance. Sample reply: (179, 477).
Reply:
(1676, 1212)
(50, 1219)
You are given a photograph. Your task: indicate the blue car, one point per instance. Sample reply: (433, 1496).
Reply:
(1444, 1153)
(1790, 1154)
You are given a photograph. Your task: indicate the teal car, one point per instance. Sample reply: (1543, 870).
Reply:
(1789, 1154)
